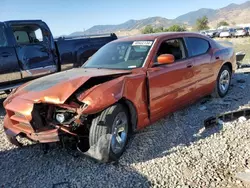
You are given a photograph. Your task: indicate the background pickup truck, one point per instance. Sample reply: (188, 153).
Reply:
(28, 50)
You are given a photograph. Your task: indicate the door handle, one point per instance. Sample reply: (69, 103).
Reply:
(189, 65)
(5, 54)
(44, 50)
(217, 58)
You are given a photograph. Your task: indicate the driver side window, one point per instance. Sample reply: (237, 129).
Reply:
(174, 47)
(3, 39)
(27, 34)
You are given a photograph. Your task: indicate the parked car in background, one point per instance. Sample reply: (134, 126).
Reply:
(211, 33)
(28, 50)
(217, 33)
(208, 33)
(228, 33)
(125, 86)
(203, 32)
(241, 32)
(247, 29)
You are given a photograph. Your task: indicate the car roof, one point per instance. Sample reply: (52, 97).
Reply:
(158, 36)
(14, 21)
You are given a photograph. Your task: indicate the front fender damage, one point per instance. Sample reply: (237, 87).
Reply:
(86, 105)
(97, 99)
(102, 96)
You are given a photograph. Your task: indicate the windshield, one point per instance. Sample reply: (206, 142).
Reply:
(120, 55)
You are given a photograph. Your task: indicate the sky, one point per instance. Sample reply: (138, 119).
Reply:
(65, 16)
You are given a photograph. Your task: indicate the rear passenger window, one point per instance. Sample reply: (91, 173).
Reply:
(197, 46)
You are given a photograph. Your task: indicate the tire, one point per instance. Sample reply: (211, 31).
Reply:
(106, 123)
(7, 92)
(218, 90)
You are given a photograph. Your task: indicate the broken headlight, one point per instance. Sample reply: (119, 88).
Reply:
(60, 117)
(64, 116)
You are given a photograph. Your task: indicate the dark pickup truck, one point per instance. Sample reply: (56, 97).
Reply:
(28, 50)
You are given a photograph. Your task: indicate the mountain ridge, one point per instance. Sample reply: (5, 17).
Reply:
(233, 13)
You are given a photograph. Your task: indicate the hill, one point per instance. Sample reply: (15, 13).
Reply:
(130, 25)
(233, 13)
(191, 17)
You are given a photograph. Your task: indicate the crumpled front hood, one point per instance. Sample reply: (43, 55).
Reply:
(57, 88)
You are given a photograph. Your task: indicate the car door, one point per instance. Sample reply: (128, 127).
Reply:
(201, 52)
(170, 86)
(9, 68)
(33, 50)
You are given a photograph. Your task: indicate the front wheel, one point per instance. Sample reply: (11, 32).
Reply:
(112, 121)
(223, 82)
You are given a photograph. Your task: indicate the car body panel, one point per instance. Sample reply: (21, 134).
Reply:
(225, 34)
(178, 86)
(130, 87)
(9, 66)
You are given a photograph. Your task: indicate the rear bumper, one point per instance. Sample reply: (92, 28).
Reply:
(46, 136)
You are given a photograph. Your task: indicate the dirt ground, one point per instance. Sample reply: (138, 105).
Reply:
(177, 151)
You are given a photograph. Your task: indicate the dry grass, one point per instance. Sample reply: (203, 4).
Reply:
(240, 44)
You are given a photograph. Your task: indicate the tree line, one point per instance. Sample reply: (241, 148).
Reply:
(201, 24)
(173, 28)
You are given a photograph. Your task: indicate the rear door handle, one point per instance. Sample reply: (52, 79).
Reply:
(5, 54)
(217, 57)
(44, 50)
(189, 65)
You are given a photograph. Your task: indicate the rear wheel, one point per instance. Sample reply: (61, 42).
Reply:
(223, 82)
(114, 121)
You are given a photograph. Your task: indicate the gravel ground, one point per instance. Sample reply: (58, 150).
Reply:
(174, 152)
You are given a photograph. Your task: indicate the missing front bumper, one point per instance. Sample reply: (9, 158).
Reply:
(42, 137)
(99, 151)
(12, 131)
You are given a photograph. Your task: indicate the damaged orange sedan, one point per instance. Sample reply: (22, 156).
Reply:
(127, 85)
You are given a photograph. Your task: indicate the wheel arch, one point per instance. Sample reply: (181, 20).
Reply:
(226, 63)
(230, 66)
(216, 90)
(133, 117)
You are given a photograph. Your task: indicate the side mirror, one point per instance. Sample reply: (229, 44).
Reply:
(165, 59)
